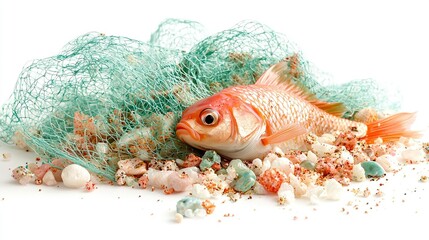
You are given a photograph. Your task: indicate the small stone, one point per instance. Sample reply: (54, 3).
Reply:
(322, 149)
(239, 166)
(246, 178)
(49, 178)
(209, 158)
(312, 157)
(40, 171)
(283, 164)
(314, 193)
(90, 186)
(299, 187)
(286, 194)
(308, 165)
(245, 181)
(333, 189)
(120, 176)
(75, 176)
(388, 162)
(347, 156)
(187, 206)
(200, 191)
(200, 212)
(278, 151)
(413, 155)
(373, 169)
(358, 173)
(23, 175)
(327, 138)
(131, 181)
(133, 166)
(178, 217)
(256, 166)
(179, 182)
(259, 189)
(6, 156)
(266, 164)
(272, 179)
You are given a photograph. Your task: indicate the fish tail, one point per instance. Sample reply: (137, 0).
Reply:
(392, 128)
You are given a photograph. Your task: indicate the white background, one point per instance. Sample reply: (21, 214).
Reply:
(384, 40)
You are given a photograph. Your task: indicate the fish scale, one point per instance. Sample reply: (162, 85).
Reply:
(282, 109)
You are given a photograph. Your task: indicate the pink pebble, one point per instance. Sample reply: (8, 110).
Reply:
(179, 182)
(41, 171)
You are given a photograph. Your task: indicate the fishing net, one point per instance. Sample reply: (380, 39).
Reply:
(107, 98)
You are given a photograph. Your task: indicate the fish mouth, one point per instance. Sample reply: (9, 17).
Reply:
(183, 128)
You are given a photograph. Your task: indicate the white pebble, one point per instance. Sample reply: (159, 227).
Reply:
(314, 193)
(323, 148)
(199, 212)
(75, 176)
(259, 189)
(387, 162)
(192, 173)
(299, 187)
(283, 164)
(276, 150)
(200, 191)
(358, 173)
(311, 157)
(189, 213)
(49, 178)
(266, 164)
(347, 156)
(333, 189)
(270, 157)
(178, 217)
(413, 155)
(301, 157)
(256, 166)
(6, 156)
(286, 193)
(327, 138)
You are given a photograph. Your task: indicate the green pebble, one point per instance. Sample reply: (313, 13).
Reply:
(245, 181)
(239, 166)
(246, 177)
(209, 158)
(308, 165)
(373, 169)
(185, 203)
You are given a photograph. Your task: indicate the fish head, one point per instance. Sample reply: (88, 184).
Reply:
(222, 122)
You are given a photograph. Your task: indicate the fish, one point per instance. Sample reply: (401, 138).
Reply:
(247, 121)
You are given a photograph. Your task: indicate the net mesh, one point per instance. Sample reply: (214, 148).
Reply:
(107, 98)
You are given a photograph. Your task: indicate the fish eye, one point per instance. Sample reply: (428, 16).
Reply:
(209, 117)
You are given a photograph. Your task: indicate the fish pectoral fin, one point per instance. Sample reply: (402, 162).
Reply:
(334, 108)
(288, 133)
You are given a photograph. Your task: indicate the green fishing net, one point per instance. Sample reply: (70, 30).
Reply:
(107, 98)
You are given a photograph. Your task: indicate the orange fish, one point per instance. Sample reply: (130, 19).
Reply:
(246, 122)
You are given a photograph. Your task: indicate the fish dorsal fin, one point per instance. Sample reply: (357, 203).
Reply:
(280, 75)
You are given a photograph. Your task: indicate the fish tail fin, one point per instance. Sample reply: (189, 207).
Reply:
(392, 128)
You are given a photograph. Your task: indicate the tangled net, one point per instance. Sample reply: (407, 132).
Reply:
(107, 98)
